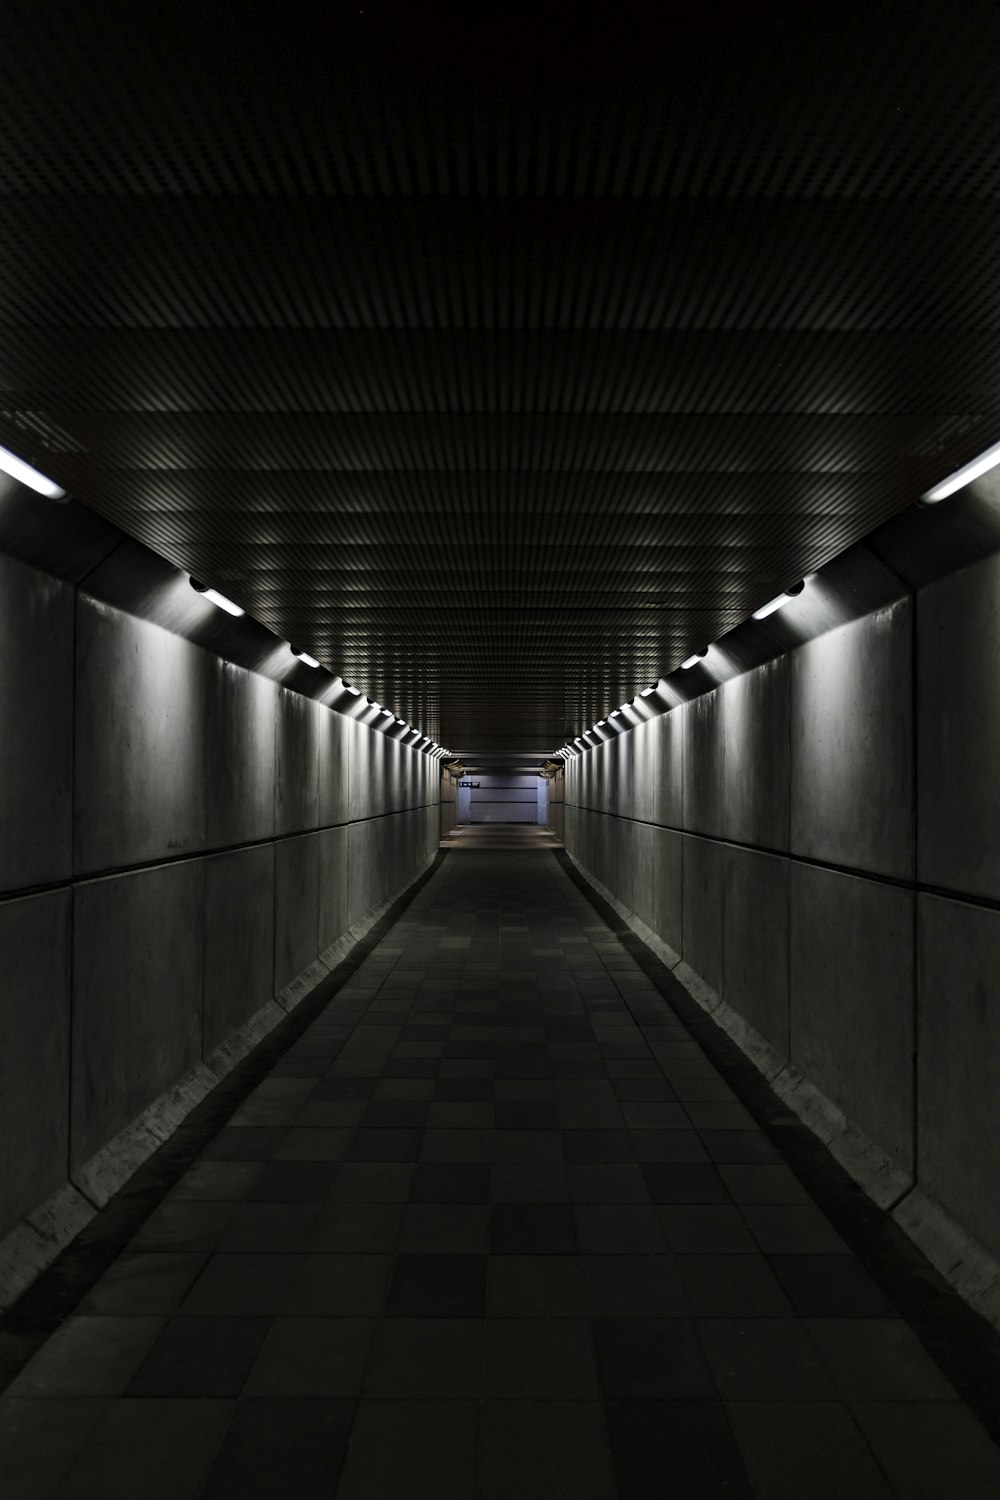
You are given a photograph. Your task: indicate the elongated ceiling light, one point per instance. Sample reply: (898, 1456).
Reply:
(214, 597)
(647, 691)
(693, 661)
(779, 600)
(304, 657)
(25, 474)
(963, 476)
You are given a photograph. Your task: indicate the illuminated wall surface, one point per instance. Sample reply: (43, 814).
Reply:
(815, 844)
(184, 843)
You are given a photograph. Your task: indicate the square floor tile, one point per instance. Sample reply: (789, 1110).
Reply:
(532, 1229)
(535, 1286)
(706, 1229)
(438, 1286)
(39, 1439)
(691, 1441)
(537, 1450)
(618, 1229)
(361, 1228)
(395, 1114)
(598, 1146)
(877, 1359)
(457, 1145)
(338, 1286)
(522, 1182)
(426, 1358)
(527, 1114)
(411, 1450)
(765, 1359)
(450, 1182)
(793, 1229)
(634, 1286)
(404, 1089)
(600, 1182)
(540, 1359)
(241, 1143)
(445, 1228)
(160, 1449)
(762, 1184)
(749, 1147)
(88, 1356)
(200, 1357)
(270, 1227)
(180, 1224)
(652, 1357)
(145, 1282)
(386, 1145)
(527, 1146)
(668, 1146)
(312, 1357)
(314, 1145)
(684, 1182)
(931, 1449)
(732, 1286)
(217, 1180)
(279, 1447)
(247, 1285)
(372, 1182)
(294, 1182)
(830, 1286)
(806, 1448)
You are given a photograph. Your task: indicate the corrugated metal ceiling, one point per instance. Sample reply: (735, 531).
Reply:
(500, 357)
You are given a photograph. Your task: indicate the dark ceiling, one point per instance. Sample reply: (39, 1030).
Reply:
(500, 356)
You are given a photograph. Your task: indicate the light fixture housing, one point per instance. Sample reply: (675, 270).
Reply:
(792, 592)
(214, 597)
(354, 692)
(646, 692)
(304, 657)
(693, 661)
(25, 474)
(963, 476)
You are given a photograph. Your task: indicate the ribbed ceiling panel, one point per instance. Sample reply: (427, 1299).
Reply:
(501, 358)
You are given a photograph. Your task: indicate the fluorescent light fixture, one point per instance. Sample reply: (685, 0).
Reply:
(387, 713)
(960, 478)
(214, 597)
(400, 721)
(616, 713)
(647, 691)
(600, 723)
(578, 741)
(304, 657)
(780, 600)
(693, 661)
(25, 474)
(354, 692)
(373, 704)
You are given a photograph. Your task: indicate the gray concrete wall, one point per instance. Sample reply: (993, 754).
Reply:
(815, 846)
(182, 841)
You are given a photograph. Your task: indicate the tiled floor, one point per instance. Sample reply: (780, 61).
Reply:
(493, 1229)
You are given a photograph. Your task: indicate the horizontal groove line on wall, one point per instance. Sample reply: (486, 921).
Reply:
(919, 888)
(20, 893)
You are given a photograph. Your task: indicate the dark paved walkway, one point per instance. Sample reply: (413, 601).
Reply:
(493, 1228)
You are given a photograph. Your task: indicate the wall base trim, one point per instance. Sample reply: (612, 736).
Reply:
(963, 1262)
(36, 1241)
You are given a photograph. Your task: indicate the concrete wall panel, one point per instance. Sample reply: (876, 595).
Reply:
(360, 854)
(239, 940)
(959, 700)
(34, 1051)
(297, 738)
(668, 887)
(642, 856)
(137, 995)
(959, 1062)
(852, 745)
(755, 943)
(701, 727)
(851, 1000)
(36, 690)
(668, 757)
(139, 782)
(644, 770)
(239, 756)
(704, 872)
(755, 727)
(333, 885)
(334, 769)
(296, 907)
(362, 798)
